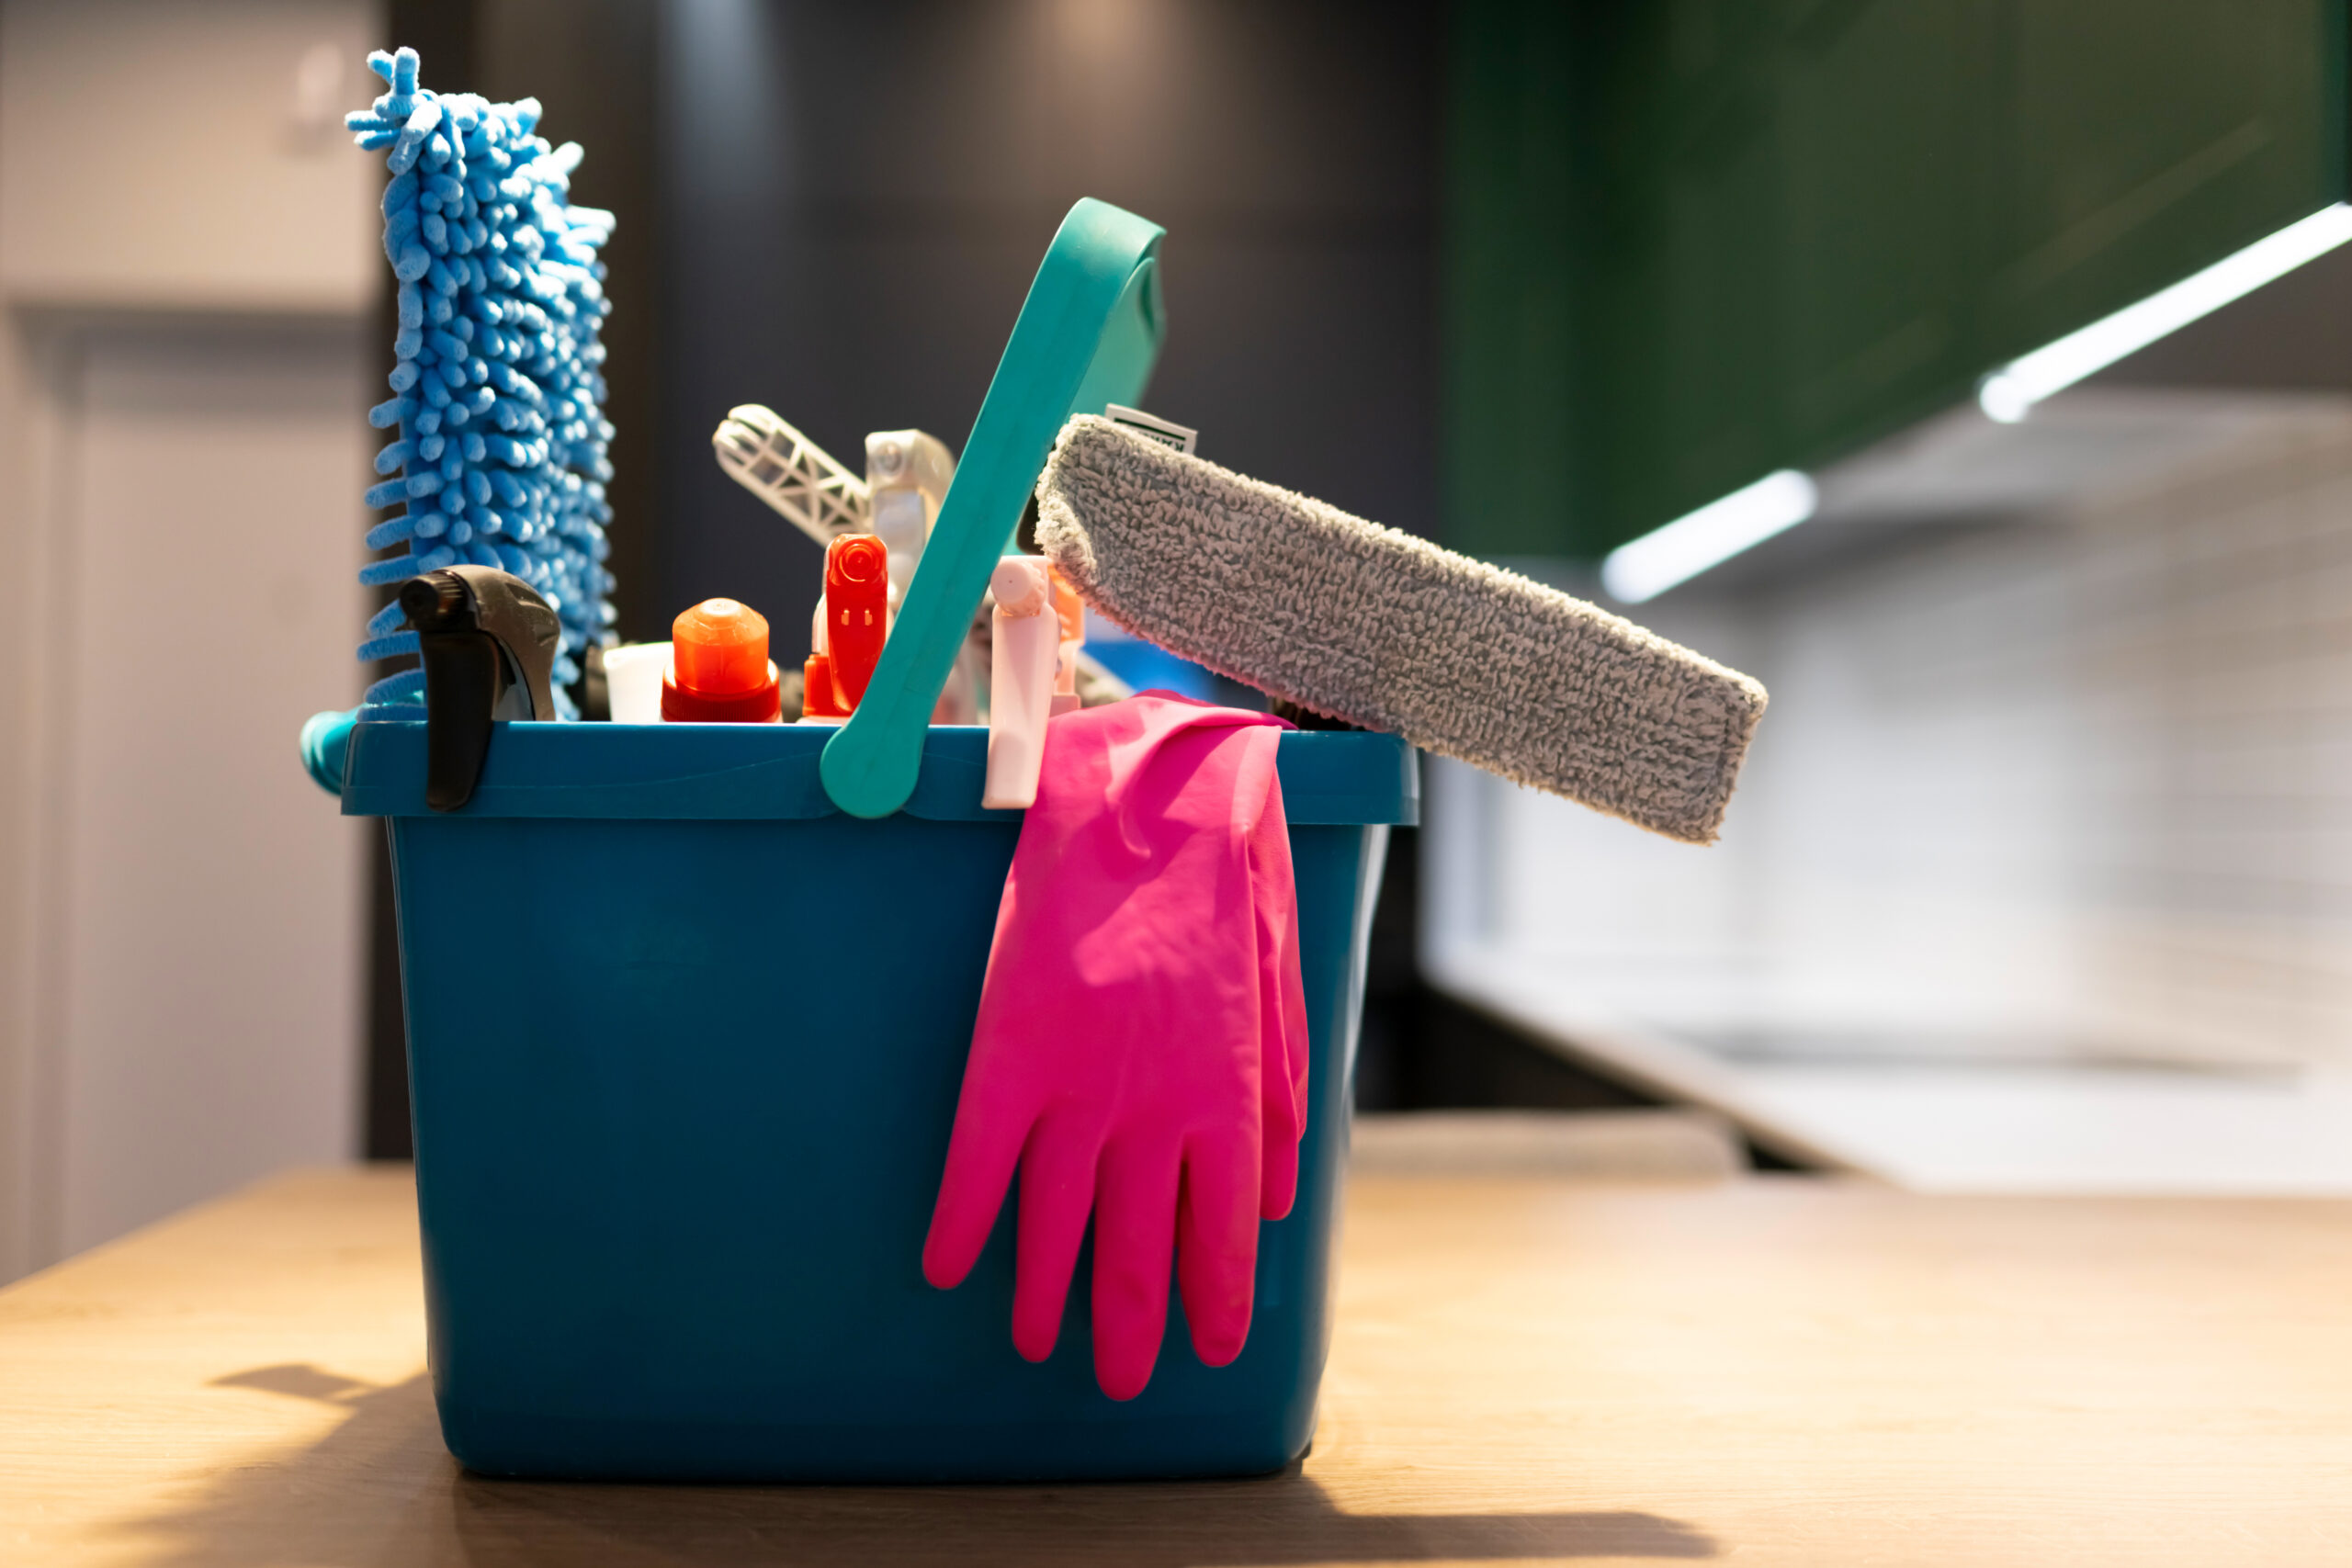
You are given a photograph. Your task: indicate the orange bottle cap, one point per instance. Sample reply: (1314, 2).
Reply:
(719, 649)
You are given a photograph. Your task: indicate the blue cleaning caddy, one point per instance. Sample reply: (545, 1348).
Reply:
(680, 1126)
(688, 1007)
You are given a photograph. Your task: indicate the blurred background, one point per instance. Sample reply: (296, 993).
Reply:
(1976, 373)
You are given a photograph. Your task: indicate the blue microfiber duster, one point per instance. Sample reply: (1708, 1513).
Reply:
(501, 460)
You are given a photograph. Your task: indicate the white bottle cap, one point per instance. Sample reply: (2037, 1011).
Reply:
(1019, 584)
(633, 680)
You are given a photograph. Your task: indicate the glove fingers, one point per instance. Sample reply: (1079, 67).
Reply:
(1057, 1190)
(1281, 1107)
(1276, 1078)
(981, 1154)
(1277, 886)
(1135, 1232)
(1284, 1074)
(1277, 1171)
(1282, 1009)
(1216, 1246)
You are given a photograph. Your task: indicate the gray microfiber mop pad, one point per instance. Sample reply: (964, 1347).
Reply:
(1374, 626)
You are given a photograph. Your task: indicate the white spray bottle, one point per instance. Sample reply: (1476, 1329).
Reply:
(1024, 645)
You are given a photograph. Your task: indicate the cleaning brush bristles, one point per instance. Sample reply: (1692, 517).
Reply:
(1379, 628)
(499, 390)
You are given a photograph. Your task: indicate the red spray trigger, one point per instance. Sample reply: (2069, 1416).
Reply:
(858, 617)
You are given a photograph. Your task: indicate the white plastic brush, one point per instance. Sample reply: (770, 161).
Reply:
(767, 456)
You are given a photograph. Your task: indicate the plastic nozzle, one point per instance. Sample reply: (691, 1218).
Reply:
(857, 612)
(718, 667)
(1019, 586)
(1024, 638)
(854, 560)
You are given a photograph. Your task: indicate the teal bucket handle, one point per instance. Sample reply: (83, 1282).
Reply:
(326, 741)
(1087, 336)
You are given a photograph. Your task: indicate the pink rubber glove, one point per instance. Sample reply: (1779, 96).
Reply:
(1140, 1050)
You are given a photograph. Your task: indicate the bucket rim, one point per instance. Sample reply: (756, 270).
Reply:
(769, 772)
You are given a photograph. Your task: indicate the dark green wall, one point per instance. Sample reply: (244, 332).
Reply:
(1689, 242)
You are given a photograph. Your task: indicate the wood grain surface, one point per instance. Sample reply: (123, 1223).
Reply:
(1526, 1371)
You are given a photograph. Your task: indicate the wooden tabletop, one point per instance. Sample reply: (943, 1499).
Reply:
(1526, 1371)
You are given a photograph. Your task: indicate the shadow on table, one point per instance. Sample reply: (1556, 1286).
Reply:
(380, 1490)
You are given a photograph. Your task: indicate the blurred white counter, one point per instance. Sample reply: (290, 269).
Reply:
(1950, 1125)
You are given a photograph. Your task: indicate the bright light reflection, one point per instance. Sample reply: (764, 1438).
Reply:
(1681, 549)
(2010, 392)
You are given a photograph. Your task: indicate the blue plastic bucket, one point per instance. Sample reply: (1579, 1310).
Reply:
(684, 1045)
